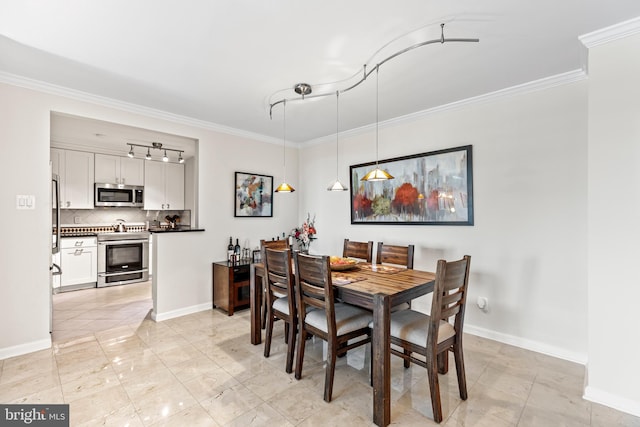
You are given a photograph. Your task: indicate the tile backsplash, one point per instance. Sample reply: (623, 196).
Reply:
(106, 216)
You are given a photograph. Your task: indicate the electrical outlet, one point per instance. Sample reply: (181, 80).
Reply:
(483, 304)
(76, 220)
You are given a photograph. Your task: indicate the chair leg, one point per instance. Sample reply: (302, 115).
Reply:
(443, 362)
(302, 341)
(329, 372)
(434, 388)
(269, 332)
(286, 333)
(462, 379)
(407, 362)
(290, 347)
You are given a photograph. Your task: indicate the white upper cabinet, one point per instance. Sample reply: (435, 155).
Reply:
(163, 186)
(76, 172)
(119, 170)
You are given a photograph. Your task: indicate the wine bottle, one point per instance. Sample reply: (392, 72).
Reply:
(230, 250)
(236, 251)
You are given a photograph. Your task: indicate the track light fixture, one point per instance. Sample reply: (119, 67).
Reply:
(155, 146)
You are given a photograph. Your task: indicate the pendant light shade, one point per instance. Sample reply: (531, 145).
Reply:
(284, 187)
(337, 185)
(377, 174)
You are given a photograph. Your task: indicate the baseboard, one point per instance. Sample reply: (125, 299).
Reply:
(594, 394)
(159, 317)
(19, 350)
(532, 345)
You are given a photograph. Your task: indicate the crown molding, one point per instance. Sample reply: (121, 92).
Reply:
(103, 101)
(612, 33)
(533, 86)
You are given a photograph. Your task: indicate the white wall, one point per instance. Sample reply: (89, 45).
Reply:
(614, 226)
(24, 264)
(528, 244)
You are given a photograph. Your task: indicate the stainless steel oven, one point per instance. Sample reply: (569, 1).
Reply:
(123, 258)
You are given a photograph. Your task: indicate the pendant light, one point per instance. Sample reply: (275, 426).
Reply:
(165, 158)
(337, 185)
(148, 155)
(377, 174)
(284, 187)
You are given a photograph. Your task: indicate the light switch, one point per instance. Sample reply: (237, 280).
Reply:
(25, 202)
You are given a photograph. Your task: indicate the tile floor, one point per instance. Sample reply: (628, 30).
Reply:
(116, 367)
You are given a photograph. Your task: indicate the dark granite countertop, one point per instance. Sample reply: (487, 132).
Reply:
(174, 230)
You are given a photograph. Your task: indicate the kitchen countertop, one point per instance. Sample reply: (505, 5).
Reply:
(174, 230)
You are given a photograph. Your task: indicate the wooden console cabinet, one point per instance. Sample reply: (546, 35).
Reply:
(231, 285)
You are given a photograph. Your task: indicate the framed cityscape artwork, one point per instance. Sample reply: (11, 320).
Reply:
(434, 188)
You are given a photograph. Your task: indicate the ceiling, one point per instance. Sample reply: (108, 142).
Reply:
(224, 62)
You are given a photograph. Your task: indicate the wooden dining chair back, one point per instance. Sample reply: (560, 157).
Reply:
(432, 336)
(271, 244)
(280, 298)
(319, 314)
(393, 254)
(359, 250)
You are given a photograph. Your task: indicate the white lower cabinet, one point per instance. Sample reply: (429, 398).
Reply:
(79, 259)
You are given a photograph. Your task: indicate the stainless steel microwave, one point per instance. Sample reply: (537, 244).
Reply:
(119, 195)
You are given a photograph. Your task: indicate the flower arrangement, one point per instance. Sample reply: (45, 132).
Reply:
(304, 234)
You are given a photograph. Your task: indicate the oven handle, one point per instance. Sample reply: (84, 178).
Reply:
(121, 242)
(123, 273)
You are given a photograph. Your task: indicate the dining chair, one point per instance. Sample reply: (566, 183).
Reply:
(432, 336)
(272, 244)
(320, 315)
(398, 255)
(360, 250)
(280, 300)
(393, 254)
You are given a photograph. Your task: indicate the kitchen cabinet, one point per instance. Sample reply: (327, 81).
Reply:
(79, 261)
(119, 170)
(231, 286)
(163, 186)
(76, 172)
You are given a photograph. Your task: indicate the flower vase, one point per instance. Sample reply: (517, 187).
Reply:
(304, 247)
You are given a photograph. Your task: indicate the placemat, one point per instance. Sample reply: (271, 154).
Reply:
(379, 268)
(341, 279)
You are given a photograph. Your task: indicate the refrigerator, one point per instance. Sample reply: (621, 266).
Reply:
(54, 267)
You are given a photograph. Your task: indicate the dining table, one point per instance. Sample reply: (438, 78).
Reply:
(372, 286)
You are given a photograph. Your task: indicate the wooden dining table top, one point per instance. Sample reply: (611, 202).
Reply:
(373, 279)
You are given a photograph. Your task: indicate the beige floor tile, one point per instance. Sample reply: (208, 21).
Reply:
(230, 403)
(194, 416)
(305, 403)
(552, 403)
(603, 416)
(162, 402)
(89, 383)
(194, 368)
(110, 403)
(209, 384)
(262, 416)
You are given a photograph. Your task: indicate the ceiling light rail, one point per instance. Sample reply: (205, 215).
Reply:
(304, 89)
(155, 146)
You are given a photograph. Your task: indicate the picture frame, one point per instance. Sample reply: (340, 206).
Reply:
(253, 195)
(433, 188)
